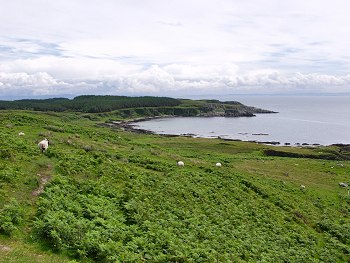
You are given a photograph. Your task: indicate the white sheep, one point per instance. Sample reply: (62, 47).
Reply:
(43, 145)
(343, 184)
(180, 163)
(218, 164)
(302, 187)
(21, 134)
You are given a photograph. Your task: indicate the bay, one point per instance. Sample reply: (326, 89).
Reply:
(300, 119)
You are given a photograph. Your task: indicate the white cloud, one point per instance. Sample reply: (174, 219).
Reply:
(203, 72)
(172, 79)
(185, 45)
(23, 79)
(70, 67)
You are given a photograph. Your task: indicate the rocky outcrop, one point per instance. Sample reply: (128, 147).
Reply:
(213, 108)
(229, 109)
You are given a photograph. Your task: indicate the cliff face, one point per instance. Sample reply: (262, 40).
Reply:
(229, 109)
(133, 107)
(188, 109)
(227, 113)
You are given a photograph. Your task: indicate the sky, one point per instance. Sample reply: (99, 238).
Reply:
(173, 48)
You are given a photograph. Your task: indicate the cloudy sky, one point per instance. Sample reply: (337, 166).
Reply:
(157, 47)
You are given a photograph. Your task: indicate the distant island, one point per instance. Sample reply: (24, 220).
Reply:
(122, 107)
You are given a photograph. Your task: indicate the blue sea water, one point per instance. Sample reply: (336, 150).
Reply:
(300, 119)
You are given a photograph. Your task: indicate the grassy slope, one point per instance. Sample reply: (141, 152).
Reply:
(251, 209)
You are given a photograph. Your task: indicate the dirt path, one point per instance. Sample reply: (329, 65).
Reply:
(5, 248)
(44, 177)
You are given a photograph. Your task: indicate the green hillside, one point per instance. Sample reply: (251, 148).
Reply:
(103, 195)
(129, 107)
(89, 103)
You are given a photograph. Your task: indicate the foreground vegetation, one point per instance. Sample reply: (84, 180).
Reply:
(108, 195)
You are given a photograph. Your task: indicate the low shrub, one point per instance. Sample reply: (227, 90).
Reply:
(11, 215)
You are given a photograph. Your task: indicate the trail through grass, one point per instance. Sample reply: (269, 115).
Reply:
(107, 195)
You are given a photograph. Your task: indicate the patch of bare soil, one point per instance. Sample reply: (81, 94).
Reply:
(5, 248)
(44, 178)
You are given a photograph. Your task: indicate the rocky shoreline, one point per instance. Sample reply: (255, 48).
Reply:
(129, 125)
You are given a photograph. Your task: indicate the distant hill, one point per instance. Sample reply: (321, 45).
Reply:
(88, 103)
(135, 106)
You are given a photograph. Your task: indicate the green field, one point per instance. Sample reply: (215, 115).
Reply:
(105, 195)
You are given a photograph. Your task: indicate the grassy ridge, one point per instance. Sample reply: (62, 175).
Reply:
(128, 107)
(89, 103)
(119, 196)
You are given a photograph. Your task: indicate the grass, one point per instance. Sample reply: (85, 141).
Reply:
(17, 250)
(119, 196)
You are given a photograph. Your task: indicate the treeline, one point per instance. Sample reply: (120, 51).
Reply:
(156, 111)
(89, 103)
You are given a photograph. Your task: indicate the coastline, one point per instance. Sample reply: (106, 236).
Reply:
(129, 125)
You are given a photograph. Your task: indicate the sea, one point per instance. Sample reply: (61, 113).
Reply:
(303, 119)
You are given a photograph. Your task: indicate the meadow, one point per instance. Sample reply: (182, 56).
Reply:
(106, 195)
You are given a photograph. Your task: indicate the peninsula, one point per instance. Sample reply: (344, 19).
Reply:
(123, 107)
